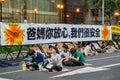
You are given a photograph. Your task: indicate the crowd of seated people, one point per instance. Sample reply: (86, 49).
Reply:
(108, 48)
(88, 50)
(60, 56)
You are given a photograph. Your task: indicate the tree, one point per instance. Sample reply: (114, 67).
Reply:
(93, 4)
(109, 5)
(117, 4)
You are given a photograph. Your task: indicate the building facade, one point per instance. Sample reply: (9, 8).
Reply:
(20, 10)
(74, 11)
(47, 11)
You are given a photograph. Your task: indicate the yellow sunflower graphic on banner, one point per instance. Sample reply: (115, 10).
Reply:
(105, 33)
(14, 34)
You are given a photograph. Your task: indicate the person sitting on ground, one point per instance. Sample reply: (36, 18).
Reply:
(88, 51)
(47, 60)
(36, 59)
(49, 51)
(65, 53)
(78, 47)
(55, 62)
(103, 46)
(110, 49)
(77, 58)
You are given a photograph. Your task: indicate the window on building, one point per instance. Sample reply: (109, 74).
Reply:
(107, 11)
(94, 12)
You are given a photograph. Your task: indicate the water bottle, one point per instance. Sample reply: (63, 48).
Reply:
(40, 66)
(24, 67)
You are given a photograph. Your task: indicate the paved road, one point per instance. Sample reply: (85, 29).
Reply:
(104, 67)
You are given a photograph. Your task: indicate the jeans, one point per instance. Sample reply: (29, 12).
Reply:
(73, 62)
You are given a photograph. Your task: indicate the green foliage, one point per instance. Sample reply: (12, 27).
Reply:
(117, 2)
(109, 5)
(5, 49)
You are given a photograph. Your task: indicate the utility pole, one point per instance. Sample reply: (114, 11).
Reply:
(103, 12)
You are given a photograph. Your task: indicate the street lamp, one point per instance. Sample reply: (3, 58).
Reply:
(60, 8)
(1, 1)
(67, 15)
(35, 10)
(77, 10)
(116, 14)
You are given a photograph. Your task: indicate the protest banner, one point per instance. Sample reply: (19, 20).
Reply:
(25, 34)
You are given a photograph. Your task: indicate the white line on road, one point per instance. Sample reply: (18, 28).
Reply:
(111, 65)
(86, 70)
(87, 60)
(80, 71)
(103, 58)
(5, 79)
(10, 72)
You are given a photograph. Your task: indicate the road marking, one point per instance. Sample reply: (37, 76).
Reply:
(86, 70)
(87, 60)
(103, 58)
(80, 71)
(111, 65)
(5, 79)
(10, 72)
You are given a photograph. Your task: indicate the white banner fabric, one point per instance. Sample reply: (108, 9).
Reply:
(24, 34)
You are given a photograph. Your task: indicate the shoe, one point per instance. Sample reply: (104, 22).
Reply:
(44, 70)
(86, 64)
(50, 70)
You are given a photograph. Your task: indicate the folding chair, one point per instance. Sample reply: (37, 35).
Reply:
(116, 44)
(97, 47)
(70, 45)
(45, 48)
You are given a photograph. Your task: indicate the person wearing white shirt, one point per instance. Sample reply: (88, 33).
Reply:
(55, 62)
(88, 51)
(65, 53)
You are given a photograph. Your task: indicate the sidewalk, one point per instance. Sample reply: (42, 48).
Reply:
(13, 54)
